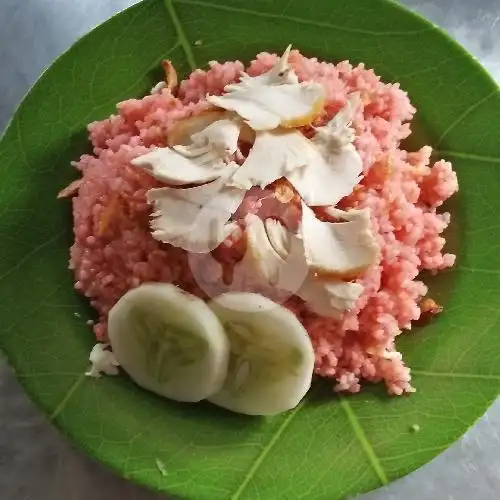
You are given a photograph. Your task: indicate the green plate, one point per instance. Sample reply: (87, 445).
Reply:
(330, 447)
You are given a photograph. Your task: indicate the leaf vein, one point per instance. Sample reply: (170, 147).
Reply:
(30, 254)
(479, 270)
(186, 46)
(263, 454)
(352, 487)
(430, 69)
(466, 113)
(328, 469)
(298, 20)
(416, 452)
(478, 339)
(46, 374)
(27, 314)
(468, 156)
(472, 376)
(21, 141)
(64, 401)
(96, 109)
(363, 440)
(478, 230)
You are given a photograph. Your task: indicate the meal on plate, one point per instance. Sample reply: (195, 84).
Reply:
(247, 229)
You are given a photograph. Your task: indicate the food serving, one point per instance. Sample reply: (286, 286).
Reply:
(248, 228)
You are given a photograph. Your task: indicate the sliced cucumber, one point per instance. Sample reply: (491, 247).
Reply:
(169, 342)
(272, 359)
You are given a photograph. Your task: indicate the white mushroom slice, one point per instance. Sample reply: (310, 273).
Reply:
(340, 250)
(336, 167)
(182, 130)
(279, 237)
(274, 155)
(274, 98)
(281, 73)
(277, 257)
(169, 342)
(220, 137)
(199, 162)
(171, 167)
(326, 180)
(266, 107)
(271, 357)
(337, 133)
(330, 298)
(194, 218)
(274, 254)
(319, 179)
(349, 215)
(260, 256)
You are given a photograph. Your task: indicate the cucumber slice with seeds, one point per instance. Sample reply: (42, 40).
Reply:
(169, 342)
(271, 360)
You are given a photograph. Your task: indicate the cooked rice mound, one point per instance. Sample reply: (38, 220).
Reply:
(114, 250)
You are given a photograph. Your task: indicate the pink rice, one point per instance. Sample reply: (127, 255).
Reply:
(113, 253)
